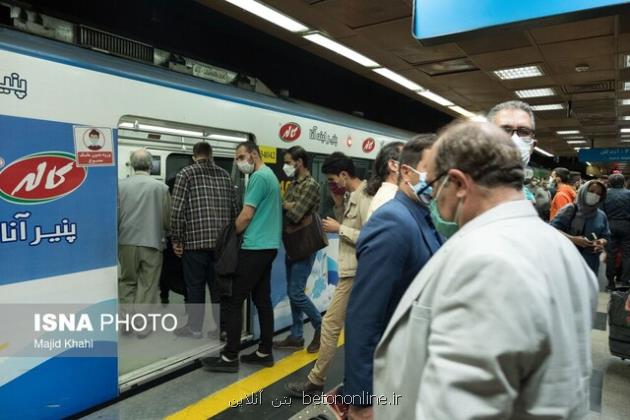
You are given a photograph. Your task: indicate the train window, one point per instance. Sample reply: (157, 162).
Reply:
(175, 162)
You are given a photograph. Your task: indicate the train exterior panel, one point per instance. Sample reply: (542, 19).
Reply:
(58, 197)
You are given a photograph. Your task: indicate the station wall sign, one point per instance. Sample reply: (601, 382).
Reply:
(604, 155)
(438, 19)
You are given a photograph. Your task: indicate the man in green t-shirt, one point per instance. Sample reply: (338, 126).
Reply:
(260, 222)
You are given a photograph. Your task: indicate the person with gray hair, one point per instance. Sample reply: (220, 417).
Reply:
(516, 118)
(144, 205)
(483, 326)
(617, 208)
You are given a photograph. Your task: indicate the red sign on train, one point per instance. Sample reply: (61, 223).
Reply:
(290, 132)
(369, 144)
(40, 178)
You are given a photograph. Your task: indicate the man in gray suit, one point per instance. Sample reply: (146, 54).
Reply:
(493, 326)
(144, 206)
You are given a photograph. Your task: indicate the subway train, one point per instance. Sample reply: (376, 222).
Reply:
(69, 119)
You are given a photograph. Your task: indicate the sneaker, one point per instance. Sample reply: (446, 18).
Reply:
(289, 343)
(254, 359)
(218, 364)
(314, 346)
(185, 331)
(299, 389)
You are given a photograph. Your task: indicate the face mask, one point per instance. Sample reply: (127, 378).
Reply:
(591, 199)
(289, 170)
(445, 227)
(337, 190)
(245, 167)
(425, 196)
(524, 145)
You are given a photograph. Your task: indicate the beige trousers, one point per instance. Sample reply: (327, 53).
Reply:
(332, 324)
(140, 269)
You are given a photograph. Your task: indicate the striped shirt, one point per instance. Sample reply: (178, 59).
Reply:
(204, 202)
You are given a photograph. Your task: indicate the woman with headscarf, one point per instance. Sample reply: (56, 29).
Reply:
(585, 224)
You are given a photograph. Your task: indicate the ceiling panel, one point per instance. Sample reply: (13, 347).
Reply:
(360, 13)
(590, 28)
(507, 58)
(585, 48)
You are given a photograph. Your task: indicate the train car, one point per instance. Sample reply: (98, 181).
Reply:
(69, 119)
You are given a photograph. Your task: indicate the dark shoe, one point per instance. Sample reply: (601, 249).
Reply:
(289, 343)
(217, 364)
(223, 336)
(314, 346)
(185, 331)
(299, 389)
(254, 359)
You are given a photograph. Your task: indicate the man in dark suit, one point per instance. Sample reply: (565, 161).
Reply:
(394, 245)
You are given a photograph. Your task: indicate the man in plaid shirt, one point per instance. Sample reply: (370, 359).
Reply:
(204, 202)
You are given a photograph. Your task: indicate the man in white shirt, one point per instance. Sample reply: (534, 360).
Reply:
(497, 324)
(384, 182)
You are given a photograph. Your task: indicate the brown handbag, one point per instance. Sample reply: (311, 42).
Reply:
(304, 238)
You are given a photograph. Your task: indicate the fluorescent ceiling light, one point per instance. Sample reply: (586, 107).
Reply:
(518, 72)
(625, 118)
(435, 98)
(542, 151)
(626, 59)
(466, 113)
(625, 140)
(395, 77)
(588, 163)
(226, 138)
(625, 102)
(125, 125)
(562, 132)
(547, 107)
(334, 46)
(573, 137)
(581, 148)
(625, 130)
(270, 15)
(576, 141)
(535, 93)
(626, 85)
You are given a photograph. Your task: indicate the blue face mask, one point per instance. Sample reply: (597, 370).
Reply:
(445, 227)
(422, 189)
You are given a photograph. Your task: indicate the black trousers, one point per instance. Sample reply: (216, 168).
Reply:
(619, 241)
(199, 273)
(253, 276)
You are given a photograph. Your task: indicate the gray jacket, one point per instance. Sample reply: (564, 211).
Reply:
(496, 325)
(144, 206)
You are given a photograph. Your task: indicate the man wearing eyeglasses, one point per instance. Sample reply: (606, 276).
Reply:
(491, 327)
(516, 118)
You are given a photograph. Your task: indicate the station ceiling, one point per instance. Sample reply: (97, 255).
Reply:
(583, 61)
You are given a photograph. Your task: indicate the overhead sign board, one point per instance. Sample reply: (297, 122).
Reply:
(436, 19)
(604, 155)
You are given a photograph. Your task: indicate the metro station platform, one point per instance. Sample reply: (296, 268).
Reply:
(202, 395)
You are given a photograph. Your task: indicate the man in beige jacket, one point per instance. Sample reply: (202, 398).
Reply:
(342, 179)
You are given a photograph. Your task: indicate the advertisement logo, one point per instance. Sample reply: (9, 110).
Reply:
(41, 178)
(369, 145)
(290, 132)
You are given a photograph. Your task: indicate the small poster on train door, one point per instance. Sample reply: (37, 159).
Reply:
(93, 146)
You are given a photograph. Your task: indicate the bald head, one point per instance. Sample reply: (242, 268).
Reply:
(481, 150)
(141, 160)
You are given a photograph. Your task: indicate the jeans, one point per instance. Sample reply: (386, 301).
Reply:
(619, 241)
(297, 275)
(199, 273)
(253, 276)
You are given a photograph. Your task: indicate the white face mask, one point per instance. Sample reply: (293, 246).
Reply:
(591, 198)
(245, 167)
(524, 145)
(289, 170)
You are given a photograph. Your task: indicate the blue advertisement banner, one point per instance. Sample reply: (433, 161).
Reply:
(433, 19)
(604, 155)
(56, 216)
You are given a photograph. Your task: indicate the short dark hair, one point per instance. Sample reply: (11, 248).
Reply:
(298, 152)
(337, 163)
(202, 148)
(481, 150)
(411, 153)
(380, 172)
(563, 173)
(616, 181)
(250, 146)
